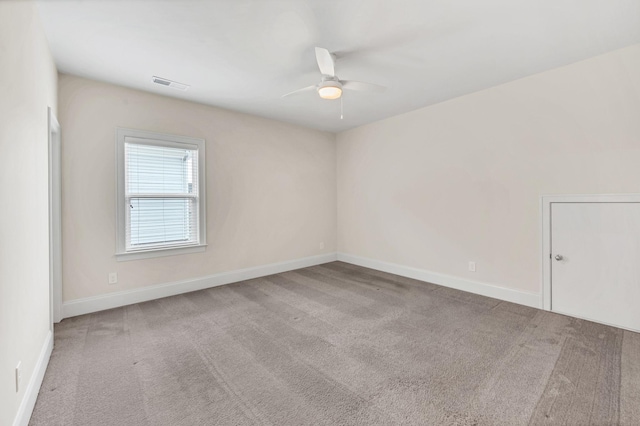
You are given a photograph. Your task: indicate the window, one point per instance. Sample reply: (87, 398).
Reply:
(161, 204)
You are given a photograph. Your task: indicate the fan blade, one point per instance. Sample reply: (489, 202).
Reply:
(325, 62)
(362, 86)
(304, 89)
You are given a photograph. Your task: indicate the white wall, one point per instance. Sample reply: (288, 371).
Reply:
(462, 180)
(27, 87)
(271, 187)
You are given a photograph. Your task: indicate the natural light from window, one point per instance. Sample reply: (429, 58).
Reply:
(160, 194)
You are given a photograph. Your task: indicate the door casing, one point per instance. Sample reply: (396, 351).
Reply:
(55, 221)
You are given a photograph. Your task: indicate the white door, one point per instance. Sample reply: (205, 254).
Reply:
(595, 262)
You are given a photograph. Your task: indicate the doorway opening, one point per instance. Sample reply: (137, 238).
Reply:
(55, 222)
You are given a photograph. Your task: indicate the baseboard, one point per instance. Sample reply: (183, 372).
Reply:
(31, 393)
(128, 297)
(516, 296)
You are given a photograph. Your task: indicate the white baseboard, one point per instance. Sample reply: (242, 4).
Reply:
(516, 296)
(31, 393)
(128, 297)
(88, 305)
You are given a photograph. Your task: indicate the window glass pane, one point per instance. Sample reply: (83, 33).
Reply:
(157, 221)
(160, 170)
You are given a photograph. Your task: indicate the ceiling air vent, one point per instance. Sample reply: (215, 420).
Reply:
(169, 83)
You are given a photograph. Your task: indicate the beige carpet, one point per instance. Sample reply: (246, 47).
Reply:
(338, 345)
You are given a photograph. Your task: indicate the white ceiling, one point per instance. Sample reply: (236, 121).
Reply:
(244, 54)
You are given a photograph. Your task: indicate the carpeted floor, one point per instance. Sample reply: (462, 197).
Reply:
(338, 345)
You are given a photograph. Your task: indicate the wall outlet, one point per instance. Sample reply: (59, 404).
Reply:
(472, 266)
(321, 245)
(18, 376)
(113, 277)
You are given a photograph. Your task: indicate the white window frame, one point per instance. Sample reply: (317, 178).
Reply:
(156, 139)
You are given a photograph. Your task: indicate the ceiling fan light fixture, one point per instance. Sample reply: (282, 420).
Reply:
(330, 91)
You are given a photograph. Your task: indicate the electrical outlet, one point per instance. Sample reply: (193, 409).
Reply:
(472, 266)
(113, 277)
(322, 245)
(18, 375)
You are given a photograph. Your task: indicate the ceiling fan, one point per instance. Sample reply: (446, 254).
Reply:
(330, 86)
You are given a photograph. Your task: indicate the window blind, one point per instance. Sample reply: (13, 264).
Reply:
(161, 192)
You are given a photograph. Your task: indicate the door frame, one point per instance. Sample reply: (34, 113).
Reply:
(55, 221)
(546, 202)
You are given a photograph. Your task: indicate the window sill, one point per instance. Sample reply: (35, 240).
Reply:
(169, 251)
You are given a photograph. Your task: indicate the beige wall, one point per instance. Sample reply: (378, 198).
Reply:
(462, 180)
(271, 187)
(27, 87)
